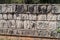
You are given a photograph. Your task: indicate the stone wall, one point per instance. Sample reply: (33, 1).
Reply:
(30, 19)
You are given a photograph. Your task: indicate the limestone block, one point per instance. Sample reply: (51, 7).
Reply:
(11, 24)
(32, 17)
(58, 17)
(1, 24)
(58, 24)
(15, 16)
(42, 25)
(56, 9)
(52, 26)
(41, 17)
(9, 16)
(43, 9)
(1, 17)
(51, 17)
(26, 24)
(32, 8)
(32, 24)
(8, 8)
(20, 8)
(24, 16)
(5, 16)
(0, 8)
(18, 16)
(19, 24)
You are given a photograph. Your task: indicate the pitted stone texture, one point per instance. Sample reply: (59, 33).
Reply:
(11, 24)
(58, 17)
(32, 17)
(32, 25)
(58, 24)
(8, 8)
(55, 9)
(5, 16)
(1, 17)
(32, 8)
(43, 9)
(42, 25)
(19, 24)
(26, 24)
(20, 8)
(41, 17)
(24, 16)
(51, 17)
(18, 16)
(52, 25)
(10, 16)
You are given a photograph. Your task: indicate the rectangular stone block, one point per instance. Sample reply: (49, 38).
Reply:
(21, 8)
(56, 9)
(58, 17)
(24, 16)
(32, 17)
(19, 24)
(32, 8)
(42, 24)
(52, 26)
(32, 25)
(10, 16)
(8, 8)
(11, 24)
(1, 17)
(5, 16)
(18, 16)
(42, 17)
(1, 24)
(51, 17)
(26, 24)
(43, 9)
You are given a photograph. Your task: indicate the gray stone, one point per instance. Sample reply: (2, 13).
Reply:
(1, 17)
(24, 16)
(18, 16)
(32, 17)
(8, 8)
(52, 26)
(58, 17)
(5, 16)
(42, 25)
(51, 17)
(9, 16)
(41, 17)
(0, 8)
(11, 24)
(19, 24)
(32, 8)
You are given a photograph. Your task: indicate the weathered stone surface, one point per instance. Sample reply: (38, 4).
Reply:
(18, 16)
(32, 17)
(58, 17)
(5, 16)
(56, 9)
(42, 17)
(21, 8)
(1, 24)
(26, 24)
(32, 24)
(24, 16)
(58, 23)
(19, 24)
(52, 26)
(42, 25)
(0, 8)
(11, 24)
(8, 8)
(32, 8)
(9, 16)
(51, 17)
(1, 17)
